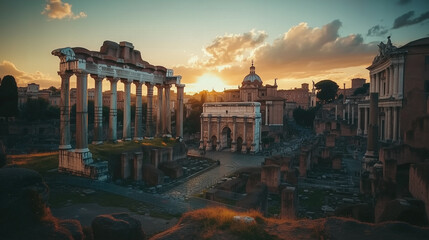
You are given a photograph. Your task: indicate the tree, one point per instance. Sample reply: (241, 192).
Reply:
(8, 97)
(304, 117)
(362, 90)
(39, 109)
(326, 90)
(53, 89)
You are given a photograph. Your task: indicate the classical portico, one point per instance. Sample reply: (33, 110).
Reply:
(114, 63)
(386, 79)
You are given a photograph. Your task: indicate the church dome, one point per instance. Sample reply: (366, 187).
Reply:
(252, 76)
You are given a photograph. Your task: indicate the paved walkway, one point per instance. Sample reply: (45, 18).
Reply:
(179, 199)
(229, 163)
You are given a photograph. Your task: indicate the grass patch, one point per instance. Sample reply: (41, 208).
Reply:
(60, 199)
(40, 162)
(111, 151)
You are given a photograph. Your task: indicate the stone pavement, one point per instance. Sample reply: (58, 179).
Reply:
(179, 199)
(229, 163)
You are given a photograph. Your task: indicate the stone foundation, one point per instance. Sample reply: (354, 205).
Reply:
(80, 163)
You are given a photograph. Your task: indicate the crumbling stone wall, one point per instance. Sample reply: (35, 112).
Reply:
(419, 183)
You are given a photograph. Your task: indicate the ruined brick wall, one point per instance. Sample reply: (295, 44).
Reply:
(419, 183)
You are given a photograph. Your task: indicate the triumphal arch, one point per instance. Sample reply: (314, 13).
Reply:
(235, 126)
(114, 63)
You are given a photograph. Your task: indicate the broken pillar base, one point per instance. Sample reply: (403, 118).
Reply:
(79, 162)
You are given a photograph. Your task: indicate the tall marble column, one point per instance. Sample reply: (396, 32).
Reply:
(82, 111)
(113, 113)
(138, 113)
(159, 127)
(348, 113)
(167, 111)
(126, 135)
(389, 124)
(234, 134)
(244, 145)
(336, 112)
(98, 109)
(219, 147)
(179, 110)
(201, 133)
(353, 115)
(65, 111)
(395, 80)
(266, 113)
(372, 145)
(401, 80)
(209, 136)
(395, 124)
(359, 130)
(149, 115)
(392, 83)
(365, 131)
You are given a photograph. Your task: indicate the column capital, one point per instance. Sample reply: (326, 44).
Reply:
(159, 86)
(97, 77)
(149, 84)
(180, 85)
(65, 74)
(138, 83)
(167, 85)
(112, 79)
(126, 80)
(79, 72)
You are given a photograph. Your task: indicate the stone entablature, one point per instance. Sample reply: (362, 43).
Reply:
(115, 63)
(234, 125)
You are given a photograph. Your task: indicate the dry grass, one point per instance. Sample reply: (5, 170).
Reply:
(40, 162)
(213, 220)
(111, 151)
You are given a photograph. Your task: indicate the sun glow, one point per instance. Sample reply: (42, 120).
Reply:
(206, 82)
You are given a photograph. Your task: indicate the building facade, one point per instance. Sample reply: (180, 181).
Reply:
(399, 76)
(234, 125)
(253, 90)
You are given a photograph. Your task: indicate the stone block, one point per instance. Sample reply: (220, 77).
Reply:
(172, 169)
(137, 168)
(289, 203)
(126, 165)
(154, 158)
(252, 181)
(330, 140)
(303, 164)
(256, 199)
(152, 175)
(233, 185)
(336, 162)
(270, 176)
(389, 170)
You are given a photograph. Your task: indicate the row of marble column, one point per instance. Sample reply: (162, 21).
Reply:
(391, 123)
(163, 110)
(392, 77)
(350, 114)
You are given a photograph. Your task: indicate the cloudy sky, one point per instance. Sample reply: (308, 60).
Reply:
(212, 43)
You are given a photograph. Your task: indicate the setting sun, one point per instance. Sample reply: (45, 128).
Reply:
(206, 82)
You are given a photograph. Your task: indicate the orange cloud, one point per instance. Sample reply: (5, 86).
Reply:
(56, 9)
(302, 52)
(23, 78)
